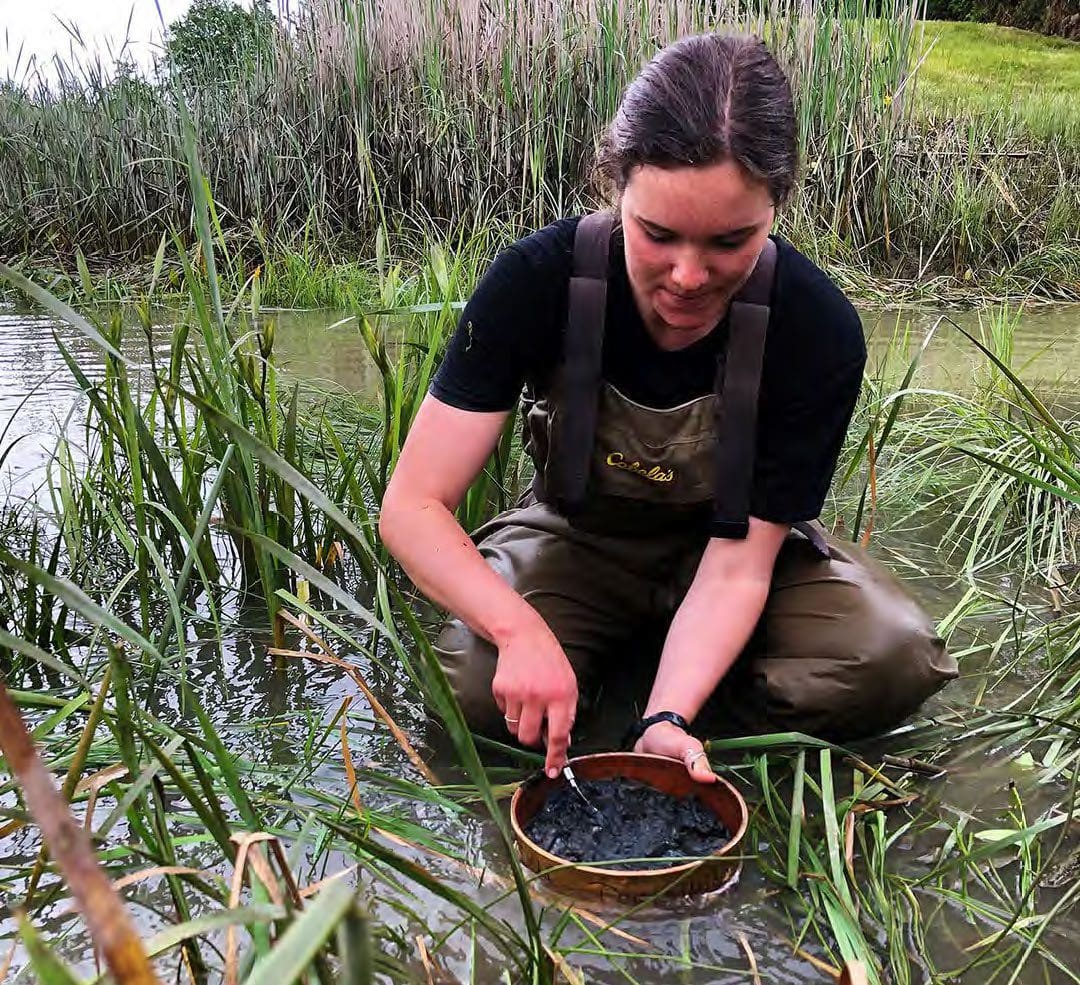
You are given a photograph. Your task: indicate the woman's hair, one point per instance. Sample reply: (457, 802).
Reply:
(702, 100)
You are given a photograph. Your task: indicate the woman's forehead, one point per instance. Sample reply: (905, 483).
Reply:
(703, 200)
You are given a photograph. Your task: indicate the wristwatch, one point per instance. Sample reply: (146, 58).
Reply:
(637, 730)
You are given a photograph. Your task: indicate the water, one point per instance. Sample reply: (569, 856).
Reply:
(39, 399)
(1046, 345)
(308, 347)
(270, 712)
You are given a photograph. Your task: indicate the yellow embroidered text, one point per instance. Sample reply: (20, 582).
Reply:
(617, 460)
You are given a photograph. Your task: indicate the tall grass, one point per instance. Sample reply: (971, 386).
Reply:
(993, 470)
(169, 788)
(203, 483)
(470, 113)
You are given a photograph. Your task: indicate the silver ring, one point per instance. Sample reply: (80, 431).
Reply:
(511, 721)
(691, 755)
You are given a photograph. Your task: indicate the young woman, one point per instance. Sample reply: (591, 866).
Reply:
(688, 381)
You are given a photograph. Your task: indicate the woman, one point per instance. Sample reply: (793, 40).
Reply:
(688, 381)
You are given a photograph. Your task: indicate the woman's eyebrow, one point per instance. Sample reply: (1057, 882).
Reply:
(727, 234)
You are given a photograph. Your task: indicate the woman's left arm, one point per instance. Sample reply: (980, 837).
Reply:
(802, 420)
(710, 629)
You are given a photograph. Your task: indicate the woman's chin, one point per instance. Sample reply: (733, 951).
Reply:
(685, 321)
(687, 317)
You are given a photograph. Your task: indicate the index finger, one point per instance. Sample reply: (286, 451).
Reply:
(560, 718)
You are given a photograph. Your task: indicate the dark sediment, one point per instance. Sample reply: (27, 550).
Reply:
(635, 822)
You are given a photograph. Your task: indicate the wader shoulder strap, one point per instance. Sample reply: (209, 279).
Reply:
(738, 383)
(578, 380)
(738, 387)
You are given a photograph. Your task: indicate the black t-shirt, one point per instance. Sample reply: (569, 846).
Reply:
(511, 332)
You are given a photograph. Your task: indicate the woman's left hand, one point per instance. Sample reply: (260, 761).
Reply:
(666, 739)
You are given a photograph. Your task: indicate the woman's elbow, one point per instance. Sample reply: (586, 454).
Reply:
(393, 514)
(399, 513)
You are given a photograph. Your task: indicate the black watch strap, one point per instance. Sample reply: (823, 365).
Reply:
(637, 730)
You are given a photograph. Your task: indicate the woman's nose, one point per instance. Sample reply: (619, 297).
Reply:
(688, 273)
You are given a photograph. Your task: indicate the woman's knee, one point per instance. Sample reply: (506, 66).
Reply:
(860, 660)
(908, 662)
(861, 692)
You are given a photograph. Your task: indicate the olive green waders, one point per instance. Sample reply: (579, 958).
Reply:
(607, 542)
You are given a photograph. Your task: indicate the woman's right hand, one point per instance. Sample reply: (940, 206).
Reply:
(534, 682)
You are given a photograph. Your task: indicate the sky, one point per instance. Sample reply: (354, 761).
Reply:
(103, 25)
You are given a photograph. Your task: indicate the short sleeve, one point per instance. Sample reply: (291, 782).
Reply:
(484, 364)
(509, 330)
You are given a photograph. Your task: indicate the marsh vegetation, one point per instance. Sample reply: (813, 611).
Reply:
(472, 119)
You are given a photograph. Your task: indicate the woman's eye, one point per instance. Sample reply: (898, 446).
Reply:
(727, 244)
(657, 237)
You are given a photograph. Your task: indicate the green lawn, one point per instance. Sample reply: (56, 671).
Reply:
(983, 68)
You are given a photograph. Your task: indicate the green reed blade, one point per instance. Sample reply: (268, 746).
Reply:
(210, 818)
(319, 580)
(1048, 419)
(243, 916)
(832, 832)
(1072, 495)
(796, 822)
(225, 762)
(76, 599)
(46, 659)
(174, 499)
(48, 967)
(302, 942)
(57, 307)
(44, 729)
(134, 791)
(773, 740)
(283, 469)
(501, 932)
(355, 948)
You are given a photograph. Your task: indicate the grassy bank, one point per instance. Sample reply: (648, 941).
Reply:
(984, 69)
(298, 275)
(471, 118)
(212, 500)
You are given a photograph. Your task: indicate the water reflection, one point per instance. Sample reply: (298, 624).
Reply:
(1046, 346)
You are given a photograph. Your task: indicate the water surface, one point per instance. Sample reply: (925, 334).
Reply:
(314, 346)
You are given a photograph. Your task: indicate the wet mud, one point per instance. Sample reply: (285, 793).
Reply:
(634, 822)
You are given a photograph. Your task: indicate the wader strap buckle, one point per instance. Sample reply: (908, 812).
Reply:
(813, 531)
(577, 383)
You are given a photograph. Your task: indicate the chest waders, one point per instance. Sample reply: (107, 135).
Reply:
(606, 543)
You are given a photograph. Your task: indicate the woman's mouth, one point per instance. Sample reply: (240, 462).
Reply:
(684, 302)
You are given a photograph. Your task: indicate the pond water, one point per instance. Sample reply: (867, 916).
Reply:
(269, 711)
(315, 347)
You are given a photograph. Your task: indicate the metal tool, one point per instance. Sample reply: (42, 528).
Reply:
(572, 780)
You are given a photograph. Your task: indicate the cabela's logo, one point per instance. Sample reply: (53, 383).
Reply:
(617, 460)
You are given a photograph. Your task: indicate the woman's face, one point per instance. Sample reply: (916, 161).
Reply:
(692, 236)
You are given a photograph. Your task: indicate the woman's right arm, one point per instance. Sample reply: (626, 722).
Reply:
(445, 450)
